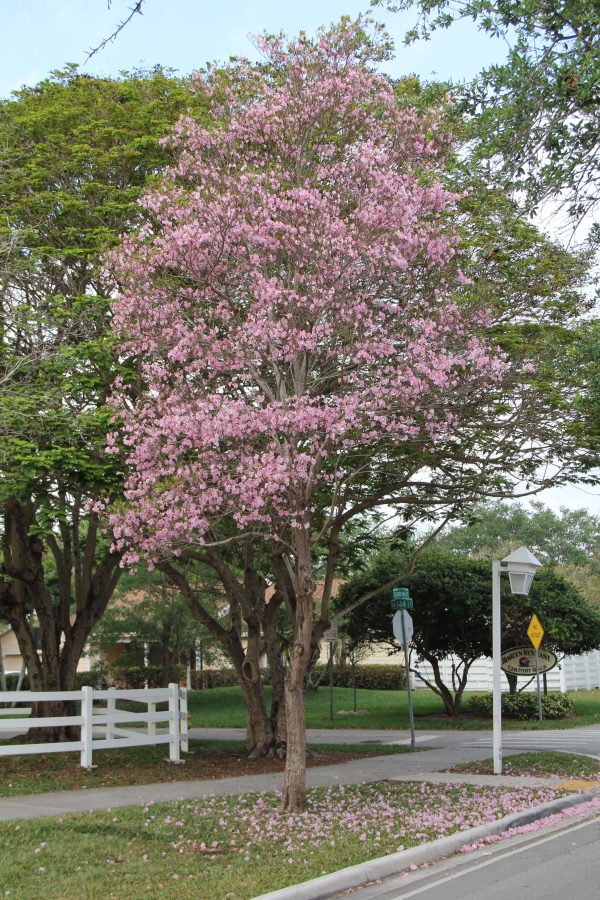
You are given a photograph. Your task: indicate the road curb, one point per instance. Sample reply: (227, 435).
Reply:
(386, 866)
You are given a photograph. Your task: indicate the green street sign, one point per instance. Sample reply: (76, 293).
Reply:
(401, 599)
(402, 604)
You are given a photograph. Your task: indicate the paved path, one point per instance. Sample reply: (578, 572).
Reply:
(423, 765)
(348, 735)
(572, 740)
(438, 750)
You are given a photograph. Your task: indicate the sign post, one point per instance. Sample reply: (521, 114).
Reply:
(535, 633)
(403, 631)
(331, 636)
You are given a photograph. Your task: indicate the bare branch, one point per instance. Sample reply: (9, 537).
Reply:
(136, 8)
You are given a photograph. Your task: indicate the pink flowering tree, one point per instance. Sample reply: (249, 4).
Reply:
(305, 351)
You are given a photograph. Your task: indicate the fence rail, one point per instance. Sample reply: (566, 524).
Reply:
(101, 727)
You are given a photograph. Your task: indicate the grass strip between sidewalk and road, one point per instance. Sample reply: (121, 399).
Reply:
(149, 764)
(235, 848)
(542, 764)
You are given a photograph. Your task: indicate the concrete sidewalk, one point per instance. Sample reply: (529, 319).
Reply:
(422, 766)
(426, 738)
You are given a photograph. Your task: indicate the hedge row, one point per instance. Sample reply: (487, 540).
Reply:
(376, 678)
(213, 678)
(95, 679)
(136, 677)
(373, 678)
(13, 680)
(523, 706)
(99, 679)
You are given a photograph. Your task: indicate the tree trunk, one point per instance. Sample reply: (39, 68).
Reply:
(259, 734)
(311, 683)
(50, 734)
(293, 798)
(273, 652)
(60, 677)
(62, 634)
(265, 735)
(2, 672)
(167, 665)
(451, 698)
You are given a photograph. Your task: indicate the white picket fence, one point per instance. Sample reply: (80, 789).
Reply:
(102, 726)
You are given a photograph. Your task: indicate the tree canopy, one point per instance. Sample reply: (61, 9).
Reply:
(570, 537)
(538, 112)
(310, 348)
(452, 612)
(154, 625)
(75, 153)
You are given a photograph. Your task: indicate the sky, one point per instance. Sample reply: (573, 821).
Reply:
(39, 36)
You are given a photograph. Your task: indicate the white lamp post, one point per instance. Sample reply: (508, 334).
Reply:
(521, 566)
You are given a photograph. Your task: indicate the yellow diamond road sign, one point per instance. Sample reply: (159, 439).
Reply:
(535, 632)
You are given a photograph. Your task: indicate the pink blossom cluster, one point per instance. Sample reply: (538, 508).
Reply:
(571, 812)
(292, 301)
(384, 817)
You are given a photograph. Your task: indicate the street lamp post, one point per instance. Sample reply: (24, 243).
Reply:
(521, 567)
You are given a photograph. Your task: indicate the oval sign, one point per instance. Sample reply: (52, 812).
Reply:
(521, 661)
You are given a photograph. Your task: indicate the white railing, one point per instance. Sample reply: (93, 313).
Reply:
(102, 727)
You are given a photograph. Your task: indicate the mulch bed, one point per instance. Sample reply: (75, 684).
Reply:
(57, 771)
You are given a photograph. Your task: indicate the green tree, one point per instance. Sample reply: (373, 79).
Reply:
(580, 360)
(537, 113)
(531, 281)
(75, 154)
(570, 537)
(157, 625)
(452, 613)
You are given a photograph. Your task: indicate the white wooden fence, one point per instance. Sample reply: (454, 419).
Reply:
(102, 726)
(573, 673)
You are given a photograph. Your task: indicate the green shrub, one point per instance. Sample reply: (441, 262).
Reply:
(213, 678)
(372, 678)
(135, 677)
(95, 679)
(522, 706)
(12, 681)
(557, 706)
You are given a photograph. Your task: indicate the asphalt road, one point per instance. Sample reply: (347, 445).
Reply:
(570, 740)
(562, 863)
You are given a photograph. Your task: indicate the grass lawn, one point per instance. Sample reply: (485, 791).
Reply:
(146, 765)
(542, 764)
(235, 848)
(224, 707)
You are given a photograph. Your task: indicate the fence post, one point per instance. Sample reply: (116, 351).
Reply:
(111, 706)
(174, 729)
(87, 712)
(151, 725)
(183, 706)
